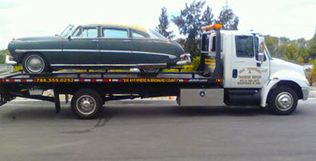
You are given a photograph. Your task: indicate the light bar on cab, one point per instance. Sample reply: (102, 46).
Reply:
(209, 27)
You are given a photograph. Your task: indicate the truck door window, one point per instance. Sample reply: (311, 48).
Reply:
(244, 46)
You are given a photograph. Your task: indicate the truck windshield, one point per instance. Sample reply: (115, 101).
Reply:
(67, 31)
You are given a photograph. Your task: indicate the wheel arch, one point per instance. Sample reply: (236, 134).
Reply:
(33, 52)
(291, 84)
(270, 86)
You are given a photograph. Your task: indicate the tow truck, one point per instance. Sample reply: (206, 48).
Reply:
(236, 69)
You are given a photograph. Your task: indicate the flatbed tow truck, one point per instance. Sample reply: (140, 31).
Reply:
(228, 74)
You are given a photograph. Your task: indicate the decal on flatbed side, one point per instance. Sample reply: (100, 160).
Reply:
(54, 80)
(149, 80)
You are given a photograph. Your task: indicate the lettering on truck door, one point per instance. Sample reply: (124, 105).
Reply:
(246, 70)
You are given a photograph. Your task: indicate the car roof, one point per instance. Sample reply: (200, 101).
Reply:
(135, 27)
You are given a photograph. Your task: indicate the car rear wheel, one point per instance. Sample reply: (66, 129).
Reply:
(35, 63)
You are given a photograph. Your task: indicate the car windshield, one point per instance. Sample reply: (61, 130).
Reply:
(153, 33)
(67, 31)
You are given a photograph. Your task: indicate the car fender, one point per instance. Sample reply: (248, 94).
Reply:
(278, 78)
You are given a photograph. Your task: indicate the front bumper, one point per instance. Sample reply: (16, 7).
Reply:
(9, 60)
(185, 59)
(305, 91)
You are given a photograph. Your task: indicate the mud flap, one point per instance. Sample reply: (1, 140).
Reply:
(57, 101)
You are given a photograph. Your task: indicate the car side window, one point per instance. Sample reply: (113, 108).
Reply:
(136, 34)
(89, 32)
(244, 46)
(114, 33)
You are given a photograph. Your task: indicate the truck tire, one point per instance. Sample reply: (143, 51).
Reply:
(35, 63)
(282, 101)
(86, 104)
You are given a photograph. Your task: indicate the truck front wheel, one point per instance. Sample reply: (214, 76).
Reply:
(86, 104)
(282, 101)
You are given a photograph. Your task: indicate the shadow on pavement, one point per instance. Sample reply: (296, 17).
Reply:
(144, 110)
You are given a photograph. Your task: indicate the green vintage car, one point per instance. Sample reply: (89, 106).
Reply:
(97, 46)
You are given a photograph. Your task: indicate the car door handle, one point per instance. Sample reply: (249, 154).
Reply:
(95, 41)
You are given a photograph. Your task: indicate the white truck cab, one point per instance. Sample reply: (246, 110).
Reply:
(251, 75)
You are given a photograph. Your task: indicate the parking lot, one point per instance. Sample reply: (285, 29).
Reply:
(156, 130)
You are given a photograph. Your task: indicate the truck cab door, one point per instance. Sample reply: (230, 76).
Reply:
(247, 71)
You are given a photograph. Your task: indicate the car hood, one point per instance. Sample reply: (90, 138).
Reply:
(42, 38)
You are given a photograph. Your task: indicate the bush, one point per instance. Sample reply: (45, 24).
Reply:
(311, 76)
(187, 68)
(17, 68)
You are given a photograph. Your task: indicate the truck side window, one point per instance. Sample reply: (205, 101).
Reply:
(214, 43)
(205, 42)
(244, 46)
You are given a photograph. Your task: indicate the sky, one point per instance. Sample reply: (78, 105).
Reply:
(23, 18)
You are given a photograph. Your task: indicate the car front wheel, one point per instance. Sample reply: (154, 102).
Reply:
(34, 64)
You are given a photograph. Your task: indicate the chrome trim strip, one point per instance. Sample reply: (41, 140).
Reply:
(80, 50)
(88, 50)
(108, 65)
(30, 50)
(154, 53)
(115, 51)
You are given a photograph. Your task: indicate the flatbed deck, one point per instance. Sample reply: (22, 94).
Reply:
(106, 77)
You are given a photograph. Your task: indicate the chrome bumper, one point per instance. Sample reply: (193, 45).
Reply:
(185, 59)
(305, 91)
(8, 61)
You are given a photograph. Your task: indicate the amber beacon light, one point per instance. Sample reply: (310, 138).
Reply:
(209, 27)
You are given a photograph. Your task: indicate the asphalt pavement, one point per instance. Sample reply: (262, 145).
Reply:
(156, 130)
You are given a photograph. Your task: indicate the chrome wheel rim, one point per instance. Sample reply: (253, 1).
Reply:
(35, 64)
(86, 105)
(284, 101)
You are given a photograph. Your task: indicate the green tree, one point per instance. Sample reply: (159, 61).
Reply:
(164, 24)
(190, 21)
(3, 53)
(208, 17)
(302, 45)
(291, 52)
(312, 47)
(272, 45)
(228, 19)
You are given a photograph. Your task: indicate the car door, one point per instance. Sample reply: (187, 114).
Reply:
(115, 47)
(82, 48)
(246, 70)
(150, 50)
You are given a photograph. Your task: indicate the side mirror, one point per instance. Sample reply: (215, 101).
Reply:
(261, 57)
(69, 37)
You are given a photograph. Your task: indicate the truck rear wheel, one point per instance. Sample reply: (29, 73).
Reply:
(282, 101)
(86, 104)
